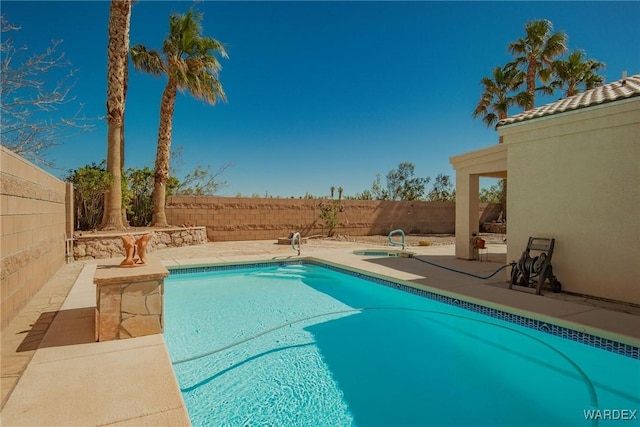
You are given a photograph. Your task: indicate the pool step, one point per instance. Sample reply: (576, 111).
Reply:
(293, 271)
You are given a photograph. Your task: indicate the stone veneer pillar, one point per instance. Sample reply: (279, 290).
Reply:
(129, 300)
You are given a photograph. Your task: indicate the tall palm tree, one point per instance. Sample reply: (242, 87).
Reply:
(498, 94)
(536, 52)
(574, 73)
(189, 61)
(118, 56)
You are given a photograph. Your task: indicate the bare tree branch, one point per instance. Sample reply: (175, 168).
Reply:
(202, 182)
(31, 100)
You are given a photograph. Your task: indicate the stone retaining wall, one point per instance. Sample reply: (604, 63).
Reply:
(88, 245)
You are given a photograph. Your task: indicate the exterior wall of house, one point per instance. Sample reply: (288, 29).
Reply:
(34, 225)
(575, 177)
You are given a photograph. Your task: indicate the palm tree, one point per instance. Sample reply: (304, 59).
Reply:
(575, 72)
(495, 102)
(117, 52)
(190, 63)
(536, 52)
(498, 94)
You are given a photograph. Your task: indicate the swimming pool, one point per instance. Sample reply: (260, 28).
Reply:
(298, 344)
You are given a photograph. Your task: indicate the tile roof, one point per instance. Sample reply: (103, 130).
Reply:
(615, 91)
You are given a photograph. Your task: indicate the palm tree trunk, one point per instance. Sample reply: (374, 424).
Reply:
(531, 84)
(161, 176)
(117, 52)
(125, 222)
(126, 81)
(112, 217)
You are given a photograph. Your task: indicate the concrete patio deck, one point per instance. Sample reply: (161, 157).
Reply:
(53, 373)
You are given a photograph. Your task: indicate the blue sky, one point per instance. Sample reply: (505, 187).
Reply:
(319, 93)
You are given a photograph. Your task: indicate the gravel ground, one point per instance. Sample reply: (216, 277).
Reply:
(415, 239)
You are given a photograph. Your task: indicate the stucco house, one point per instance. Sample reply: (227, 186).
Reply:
(573, 173)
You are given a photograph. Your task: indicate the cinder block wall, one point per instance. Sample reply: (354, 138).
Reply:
(250, 218)
(32, 231)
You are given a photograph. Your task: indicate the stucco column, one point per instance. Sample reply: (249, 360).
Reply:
(467, 213)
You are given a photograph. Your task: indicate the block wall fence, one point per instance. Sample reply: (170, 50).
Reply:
(252, 218)
(34, 225)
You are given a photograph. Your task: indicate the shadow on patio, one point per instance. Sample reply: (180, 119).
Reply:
(60, 328)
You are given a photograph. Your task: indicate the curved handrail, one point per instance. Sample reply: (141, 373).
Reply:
(295, 236)
(396, 243)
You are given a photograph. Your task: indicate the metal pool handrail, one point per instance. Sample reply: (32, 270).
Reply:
(295, 236)
(396, 243)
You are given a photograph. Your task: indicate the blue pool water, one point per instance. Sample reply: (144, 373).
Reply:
(305, 345)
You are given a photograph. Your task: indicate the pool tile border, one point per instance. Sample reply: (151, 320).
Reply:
(539, 325)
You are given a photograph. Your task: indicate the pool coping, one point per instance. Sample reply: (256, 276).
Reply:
(383, 253)
(119, 382)
(555, 326)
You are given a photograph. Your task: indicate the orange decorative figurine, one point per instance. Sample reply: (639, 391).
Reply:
(129, 250)
(141, 246)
